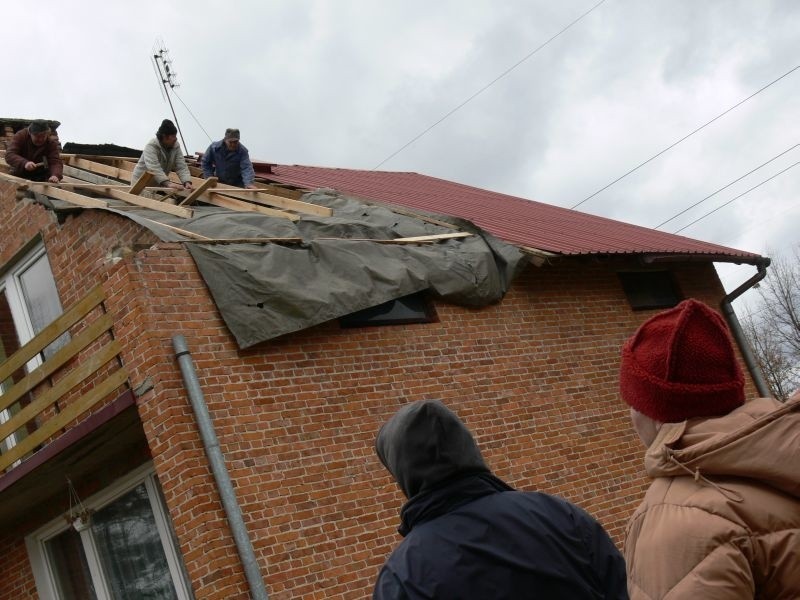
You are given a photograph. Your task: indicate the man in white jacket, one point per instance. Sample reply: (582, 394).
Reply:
(163, 154)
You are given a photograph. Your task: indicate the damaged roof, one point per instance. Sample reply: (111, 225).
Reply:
(526, 223)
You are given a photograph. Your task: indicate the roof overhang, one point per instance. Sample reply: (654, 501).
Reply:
(753, 259)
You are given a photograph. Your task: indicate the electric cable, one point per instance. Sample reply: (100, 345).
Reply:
(486, 87)
(688, 135)
(724, 187)
(191, 113)
(737, 197)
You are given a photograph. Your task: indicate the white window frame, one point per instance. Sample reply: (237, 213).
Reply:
(10, 282)
(37, 553)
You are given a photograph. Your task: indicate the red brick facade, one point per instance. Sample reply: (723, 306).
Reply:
(534, 377)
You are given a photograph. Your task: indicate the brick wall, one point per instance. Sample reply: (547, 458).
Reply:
(534, 377)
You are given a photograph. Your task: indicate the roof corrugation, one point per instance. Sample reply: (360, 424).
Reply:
(516, 220)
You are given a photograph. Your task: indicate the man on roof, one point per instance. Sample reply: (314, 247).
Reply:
(229, 161)
(161, 155)
(33, 154)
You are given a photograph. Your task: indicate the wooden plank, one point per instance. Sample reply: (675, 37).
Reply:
(158, 205)
(41, 340)
(183, 232)
(247, 206)
(70, 413)
(280, 240)
(55, 362)
(431, 238)
(87, 368)
(420, 239)
(277, 201)
(71, 197)
(98, 167)
(277, 190)
(18, 181)
(73, 183)
(141, 183)
(191, 198)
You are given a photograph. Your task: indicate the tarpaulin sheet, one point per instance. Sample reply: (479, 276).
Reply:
(267, 290)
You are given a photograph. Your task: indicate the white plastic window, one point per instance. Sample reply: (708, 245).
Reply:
(123, 550)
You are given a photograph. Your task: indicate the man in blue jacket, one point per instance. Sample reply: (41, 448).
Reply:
(229, 161)
(468, 535)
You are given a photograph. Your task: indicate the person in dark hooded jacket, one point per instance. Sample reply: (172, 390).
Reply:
(470, 535)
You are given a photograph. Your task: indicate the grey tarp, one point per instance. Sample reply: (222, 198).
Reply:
(267, 290)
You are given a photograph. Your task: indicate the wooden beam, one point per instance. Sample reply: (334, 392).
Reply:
(18, 181)
(73, 174)
(98, 167)
(248, 207)
(280, 240)
(191, 198)
(82, 185)
(170, 209)
(71, 197)
(420, 239)
(277, 190)
(261, 197)
(141, 183)
(184, 232)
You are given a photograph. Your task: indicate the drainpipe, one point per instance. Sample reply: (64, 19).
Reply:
(258, 590)
(736, 328)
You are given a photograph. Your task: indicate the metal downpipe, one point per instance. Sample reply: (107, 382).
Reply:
(258, 590)
(738, 334)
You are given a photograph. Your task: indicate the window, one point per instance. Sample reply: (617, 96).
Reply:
(125, 550)
(31, 299)
(650, 289)
(413, 308)
(28, 303)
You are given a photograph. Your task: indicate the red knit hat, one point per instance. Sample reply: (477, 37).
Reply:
(681, 364)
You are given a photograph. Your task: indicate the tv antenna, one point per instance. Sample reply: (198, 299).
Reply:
(168, 78)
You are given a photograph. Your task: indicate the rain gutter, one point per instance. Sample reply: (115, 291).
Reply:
(733, 322)
(258, 590)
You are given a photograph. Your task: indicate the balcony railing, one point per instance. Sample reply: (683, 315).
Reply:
(65, 385)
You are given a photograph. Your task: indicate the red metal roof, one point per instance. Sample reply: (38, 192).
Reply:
(516, 220)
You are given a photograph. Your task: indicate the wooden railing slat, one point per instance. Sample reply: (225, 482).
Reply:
(59, 359)
(51, 332)
(76, 376)
(70, 413)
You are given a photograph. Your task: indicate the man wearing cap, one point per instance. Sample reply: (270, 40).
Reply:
(469, 535)
(721, 519)
(161, 155)
(33, 154)
(229, 161)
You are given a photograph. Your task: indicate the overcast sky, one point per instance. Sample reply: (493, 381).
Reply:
(348, 83)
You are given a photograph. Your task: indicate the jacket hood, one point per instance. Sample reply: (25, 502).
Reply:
(425, 444)
(759, 440)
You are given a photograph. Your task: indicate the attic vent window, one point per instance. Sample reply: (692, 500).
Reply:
(650, 289)
(414, 308)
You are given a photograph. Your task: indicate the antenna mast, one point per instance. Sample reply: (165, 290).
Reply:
(168, 78)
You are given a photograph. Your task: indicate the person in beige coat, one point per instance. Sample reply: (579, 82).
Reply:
(161, 155)
(721, 520)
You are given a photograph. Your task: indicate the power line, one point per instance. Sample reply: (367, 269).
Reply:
(486, 87)
(671, 146)
(195, 118)
(724, 187)
(737, 197)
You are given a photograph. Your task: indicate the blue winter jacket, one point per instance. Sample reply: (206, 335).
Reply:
(230, 167)
(468, 535)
